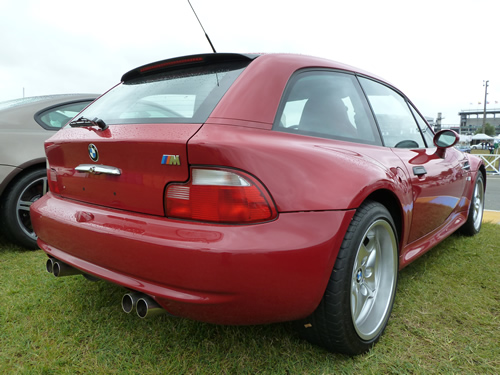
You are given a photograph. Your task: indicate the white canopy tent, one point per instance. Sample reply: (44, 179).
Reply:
(481, 136)
(465, 138)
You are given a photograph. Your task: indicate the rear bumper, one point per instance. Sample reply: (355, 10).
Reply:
(275, 271)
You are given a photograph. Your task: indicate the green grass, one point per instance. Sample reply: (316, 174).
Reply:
(445, 321)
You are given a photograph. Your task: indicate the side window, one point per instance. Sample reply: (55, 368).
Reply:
(56, 117)
(326, 104)
(424, 127)
(396, 122)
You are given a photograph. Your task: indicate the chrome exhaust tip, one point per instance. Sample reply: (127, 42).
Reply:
(129, 301)
(49, 265)
(60, 269)
(147, 307)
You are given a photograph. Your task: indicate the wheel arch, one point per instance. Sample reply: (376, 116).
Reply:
(391, 202)
(476, 166)
(19, 172)
(482, 170)
(469, 191)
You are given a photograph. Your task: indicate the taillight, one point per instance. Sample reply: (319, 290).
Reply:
(52, 181)
(221, 196)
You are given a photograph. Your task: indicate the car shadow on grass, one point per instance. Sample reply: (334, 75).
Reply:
(6, 245)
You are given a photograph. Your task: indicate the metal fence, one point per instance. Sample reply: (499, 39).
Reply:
(491, 161)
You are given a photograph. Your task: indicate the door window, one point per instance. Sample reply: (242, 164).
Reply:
(396, 122)
(424, 127)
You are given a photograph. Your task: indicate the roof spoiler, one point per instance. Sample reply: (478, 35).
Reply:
(186, 61)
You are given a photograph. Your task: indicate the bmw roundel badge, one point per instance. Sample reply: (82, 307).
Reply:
(93, 153)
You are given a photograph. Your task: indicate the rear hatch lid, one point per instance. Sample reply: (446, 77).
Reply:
(130, 143)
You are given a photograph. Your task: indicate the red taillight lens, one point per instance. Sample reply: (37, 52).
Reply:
(219, 196)
(52, 181)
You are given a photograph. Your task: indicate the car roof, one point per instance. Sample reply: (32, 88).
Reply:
(21, 112)
(39, 102)
(300, 61)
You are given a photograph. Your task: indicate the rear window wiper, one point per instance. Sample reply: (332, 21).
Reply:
(83, 121)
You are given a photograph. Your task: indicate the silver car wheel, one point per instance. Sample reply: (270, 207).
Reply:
(478, 204)
(31, 193)
(374, 276)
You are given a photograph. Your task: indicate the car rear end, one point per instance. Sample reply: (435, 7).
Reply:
(141, 197)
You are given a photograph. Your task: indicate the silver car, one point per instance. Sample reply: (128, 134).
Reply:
(24, 126)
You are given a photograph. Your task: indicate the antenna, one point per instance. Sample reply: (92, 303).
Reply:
(211, 45)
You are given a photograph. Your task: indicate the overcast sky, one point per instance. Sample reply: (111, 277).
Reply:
(438, 52)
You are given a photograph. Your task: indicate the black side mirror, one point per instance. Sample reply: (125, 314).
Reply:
(445, 139)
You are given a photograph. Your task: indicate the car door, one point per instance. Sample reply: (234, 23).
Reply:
(438, 181)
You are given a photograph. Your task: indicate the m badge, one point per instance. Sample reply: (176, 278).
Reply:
(171, 160)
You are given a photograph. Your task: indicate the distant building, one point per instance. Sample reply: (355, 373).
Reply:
(437, 124)
(472, 119)
(430, 120)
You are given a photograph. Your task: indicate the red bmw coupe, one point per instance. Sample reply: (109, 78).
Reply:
(248, 189)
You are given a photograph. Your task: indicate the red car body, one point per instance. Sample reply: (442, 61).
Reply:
(116, 227)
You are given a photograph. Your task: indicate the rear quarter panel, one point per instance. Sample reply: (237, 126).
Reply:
(302, 173)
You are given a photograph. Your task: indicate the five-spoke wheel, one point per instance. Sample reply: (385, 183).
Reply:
(358, 299)
(474, 221)
(15, 210)
(373, 279)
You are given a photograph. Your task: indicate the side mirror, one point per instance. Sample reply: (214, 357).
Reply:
(445, 139)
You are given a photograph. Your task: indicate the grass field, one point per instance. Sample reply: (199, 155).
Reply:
(445, 321)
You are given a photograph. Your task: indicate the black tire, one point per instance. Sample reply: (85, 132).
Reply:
(346, 321)
(475, 218)
(15, 205)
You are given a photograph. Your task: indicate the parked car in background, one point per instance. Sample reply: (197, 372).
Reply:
(249, 189)
(24, 126)
(463, 148)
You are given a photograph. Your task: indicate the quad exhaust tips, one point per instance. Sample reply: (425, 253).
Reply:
(59, 269)
(144, 305)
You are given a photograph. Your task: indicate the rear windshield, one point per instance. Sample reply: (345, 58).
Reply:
(180, 96)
